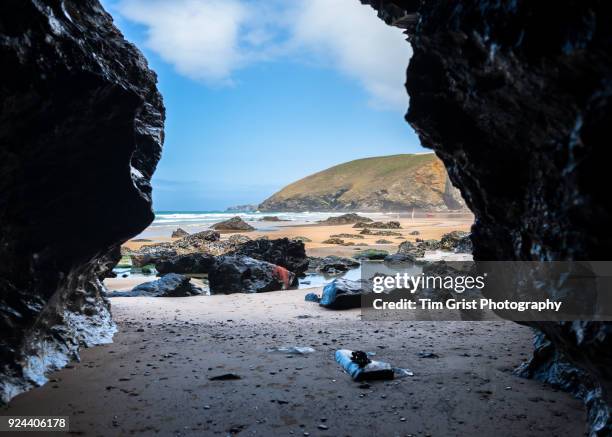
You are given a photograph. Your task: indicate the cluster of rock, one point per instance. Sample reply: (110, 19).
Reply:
(237, 264)
(345, 219)
(378, 225)
(455, 241)
(367, 231)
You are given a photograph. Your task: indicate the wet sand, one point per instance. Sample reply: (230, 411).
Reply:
(154, 380)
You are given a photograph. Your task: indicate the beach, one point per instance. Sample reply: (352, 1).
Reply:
(154, 378)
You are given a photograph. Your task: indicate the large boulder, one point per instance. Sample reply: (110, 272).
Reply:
(170, 285)
(343, 294)
(81, 131)
(243, 274)
(283, 252)
(191, 263)
(234, 224)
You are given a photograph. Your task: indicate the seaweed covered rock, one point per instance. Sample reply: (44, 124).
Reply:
(81, 129)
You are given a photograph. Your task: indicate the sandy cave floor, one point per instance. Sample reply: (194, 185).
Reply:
(154, 379)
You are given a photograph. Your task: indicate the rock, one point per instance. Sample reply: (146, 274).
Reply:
(415, 250)
(345, 219)
(170, 285)
(450, 240)
(339, 241)
(378, 225)
(235, 224)
(192, 263)
(201, 242)
(283, 252)
(415, 233)
(355, 236)
(371, 254)
(342, 294)
(464, 245)
(81, 131)
(179, 233)
(332, 264)
(400, 258)
(242, 274)
(238, 239)
(526, 164)
(383, 241)
(272, 218)
(312, 297)
(242, 208)
(367, 231)
(302, 239)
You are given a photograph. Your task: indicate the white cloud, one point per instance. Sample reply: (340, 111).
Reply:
(209, 40)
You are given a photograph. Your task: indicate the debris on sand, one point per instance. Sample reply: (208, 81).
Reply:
(363, 369)
(292, 350)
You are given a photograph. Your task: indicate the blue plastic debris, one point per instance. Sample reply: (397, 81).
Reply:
(373, 370)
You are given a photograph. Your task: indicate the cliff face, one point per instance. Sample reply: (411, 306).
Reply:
(387, 183)
(515, 98)
(81, 129)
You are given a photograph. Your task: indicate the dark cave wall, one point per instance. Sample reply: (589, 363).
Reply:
(81, 130)
(515, 98)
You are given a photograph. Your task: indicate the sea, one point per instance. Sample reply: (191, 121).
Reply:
(195, 221)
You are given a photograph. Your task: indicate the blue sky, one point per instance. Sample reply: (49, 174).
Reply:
(260, 93)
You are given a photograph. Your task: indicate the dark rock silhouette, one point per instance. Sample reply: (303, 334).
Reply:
(283, 252)
(242, 274)
(81, 130)
(191, 263)
(516, 99)
(170, 285)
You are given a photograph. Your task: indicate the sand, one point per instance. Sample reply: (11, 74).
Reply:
(154, 379)
(428, 228)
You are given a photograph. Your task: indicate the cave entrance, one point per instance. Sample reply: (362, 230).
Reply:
(231, 363)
